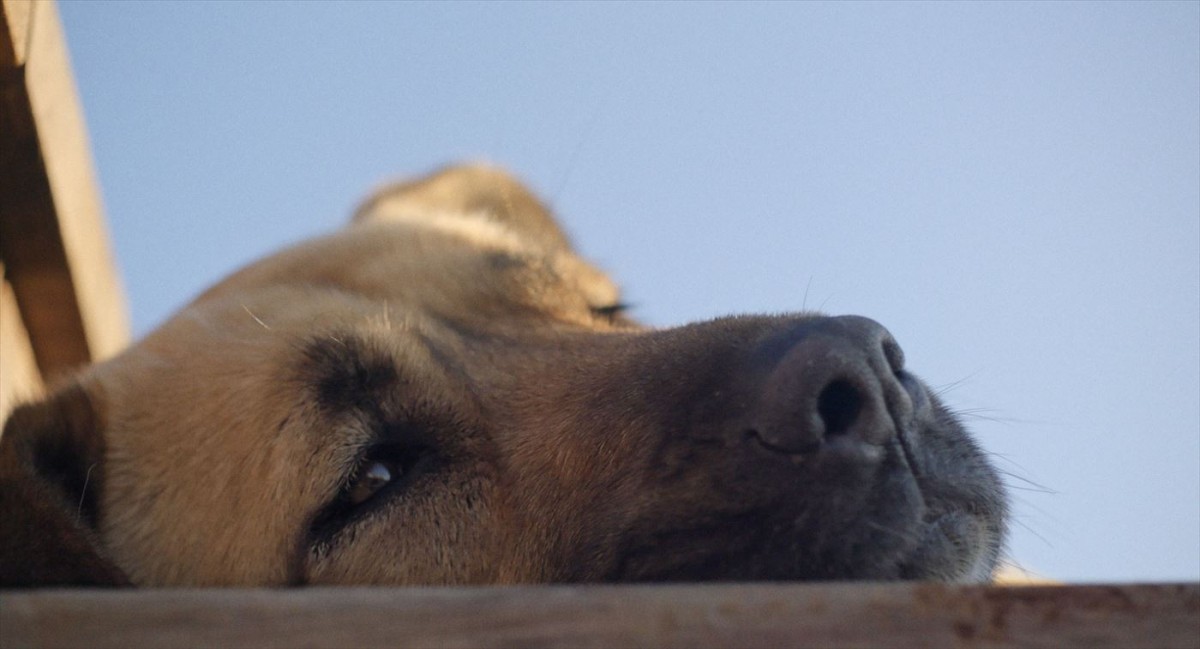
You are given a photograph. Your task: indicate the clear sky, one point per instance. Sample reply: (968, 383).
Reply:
(1013, 189)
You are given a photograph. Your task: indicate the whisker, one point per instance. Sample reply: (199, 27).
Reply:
(979, 414)
(894, 532)
(1032, 531)
(83, 492)
(946, 388)
(1031, 486)
(256, 318)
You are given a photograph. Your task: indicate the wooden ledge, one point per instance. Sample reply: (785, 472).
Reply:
(832, 615)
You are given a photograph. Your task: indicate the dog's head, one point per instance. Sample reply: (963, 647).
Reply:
(444, 392)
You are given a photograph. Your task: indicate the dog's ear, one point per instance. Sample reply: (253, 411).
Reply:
(468, 189)
(51, 476)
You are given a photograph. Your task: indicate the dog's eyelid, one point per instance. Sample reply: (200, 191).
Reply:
(610, 310)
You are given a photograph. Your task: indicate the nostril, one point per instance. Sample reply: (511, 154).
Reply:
(830, 388)
(839, 405)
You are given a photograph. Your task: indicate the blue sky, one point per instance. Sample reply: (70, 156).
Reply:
(1012, 188)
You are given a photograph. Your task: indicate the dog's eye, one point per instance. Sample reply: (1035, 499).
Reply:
(376, 476)
(385, 471)
(384, 468)
(611, 311)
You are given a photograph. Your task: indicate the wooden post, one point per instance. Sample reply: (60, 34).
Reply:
(62, 304)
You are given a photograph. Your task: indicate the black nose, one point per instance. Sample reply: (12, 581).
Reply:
(836, 386)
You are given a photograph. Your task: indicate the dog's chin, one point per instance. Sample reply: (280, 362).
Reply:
(952, 548)
(955, 547)
(893, 527)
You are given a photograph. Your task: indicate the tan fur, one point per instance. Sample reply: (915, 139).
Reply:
(199, 401)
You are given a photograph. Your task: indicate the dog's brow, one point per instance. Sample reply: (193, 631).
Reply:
(345, 372)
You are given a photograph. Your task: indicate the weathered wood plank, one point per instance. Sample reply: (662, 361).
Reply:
(833, 615)
(53, 240)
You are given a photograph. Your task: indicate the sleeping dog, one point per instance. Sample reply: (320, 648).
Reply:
(443, 392)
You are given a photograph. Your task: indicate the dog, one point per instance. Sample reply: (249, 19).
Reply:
(443, 392)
